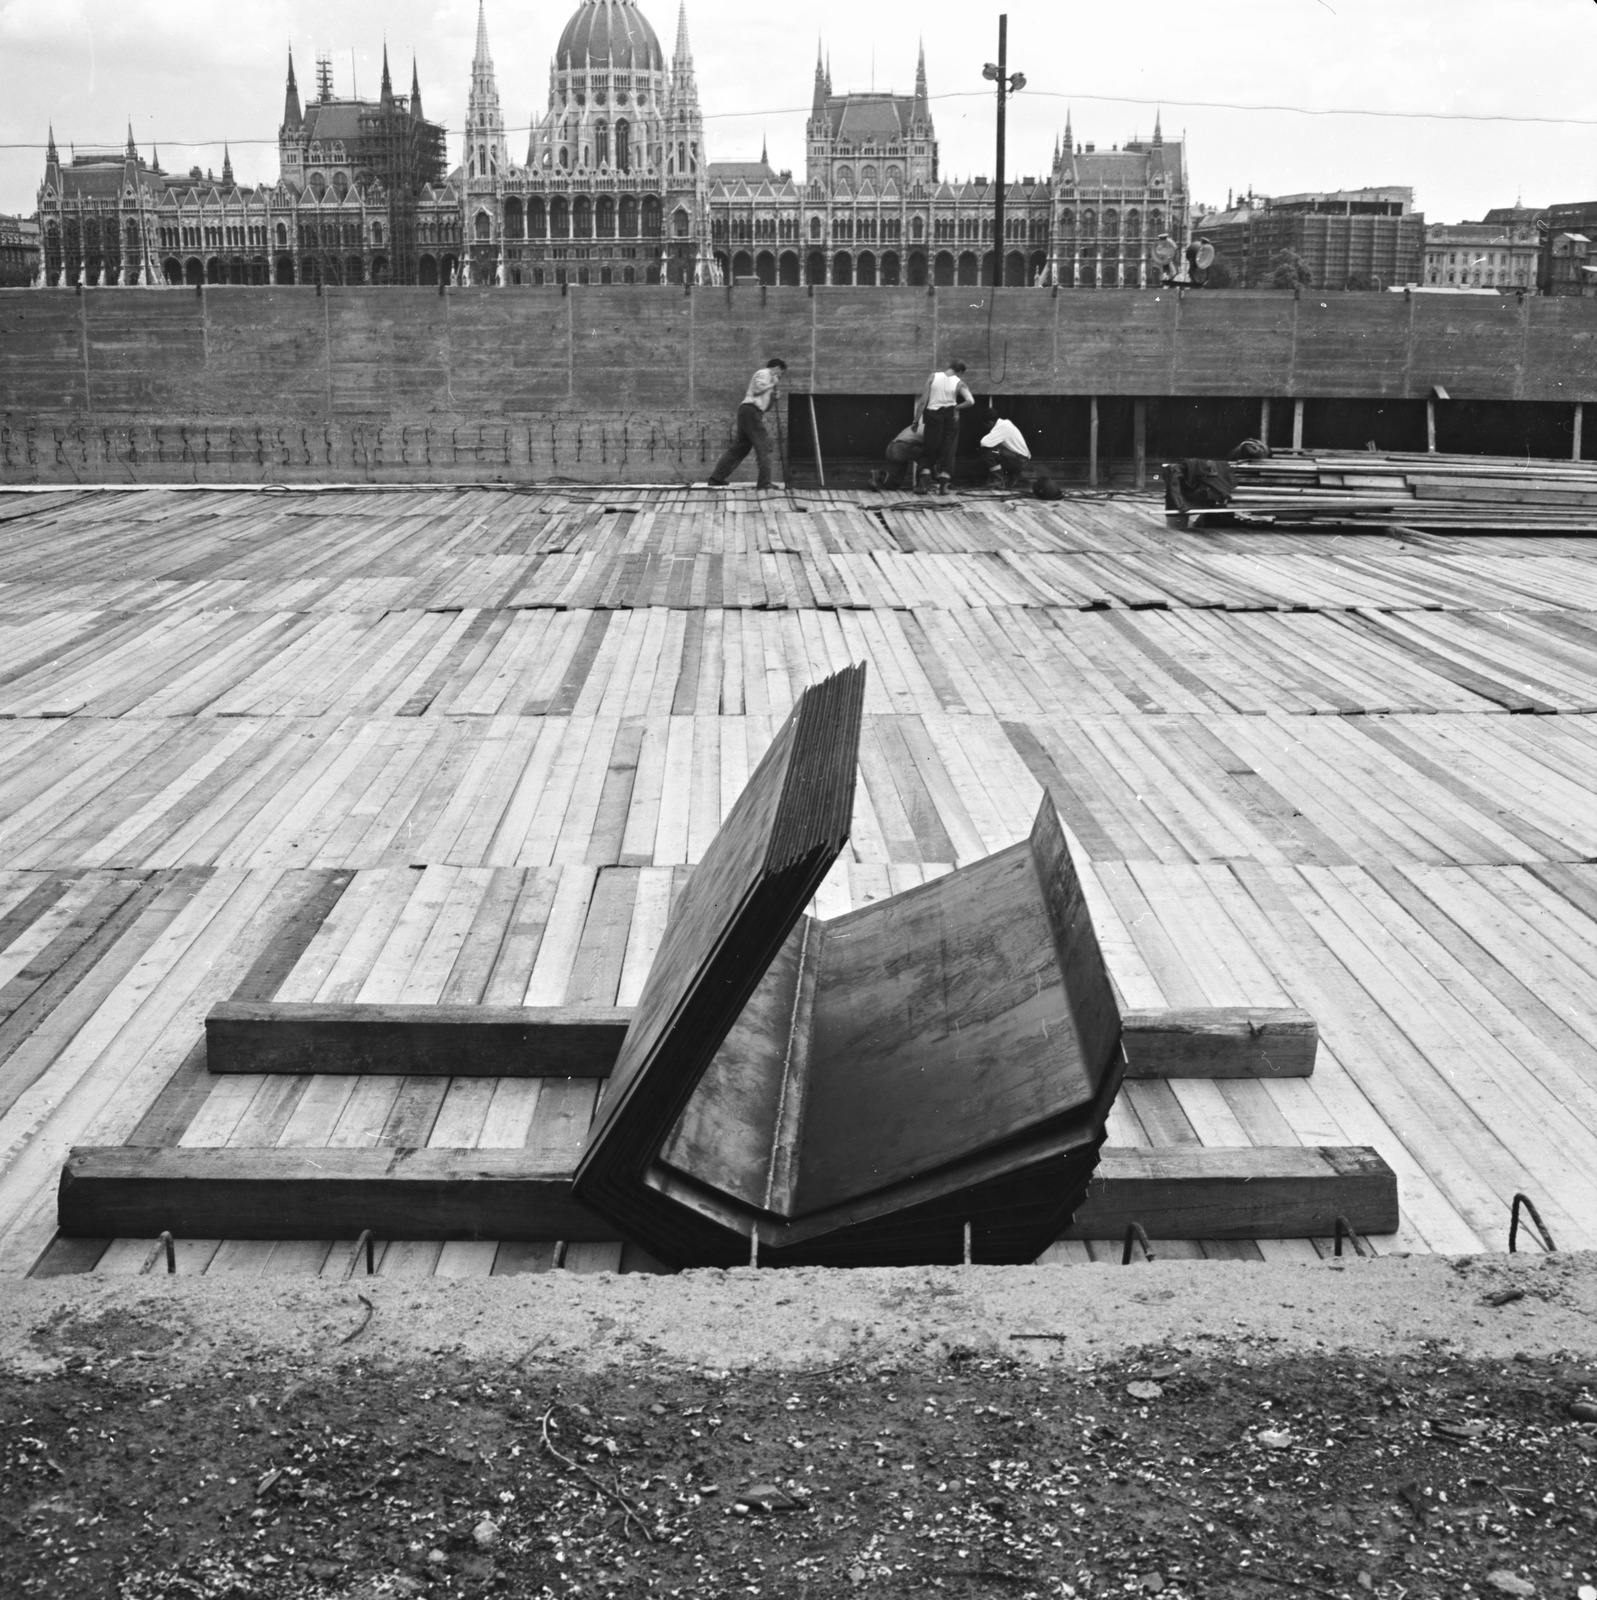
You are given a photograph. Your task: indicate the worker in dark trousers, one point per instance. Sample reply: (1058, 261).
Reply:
(750, 427)
(937, 410)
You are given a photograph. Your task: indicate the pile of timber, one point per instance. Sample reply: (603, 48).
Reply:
(1420, 491)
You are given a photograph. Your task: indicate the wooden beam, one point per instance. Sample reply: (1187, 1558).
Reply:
(1139, 440)
(1430, 422)
(815, 444)
(1264, 420)
(1092, 442)
(441, 1041)
(127, 1192)
(1251, 1192)
(280, 1036)
(1297, 424)
(1580, 417)
(1219, 1042)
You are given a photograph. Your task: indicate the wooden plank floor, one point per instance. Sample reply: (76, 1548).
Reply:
(464, 745)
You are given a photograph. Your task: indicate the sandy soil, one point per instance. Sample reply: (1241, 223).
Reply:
(1405, 1427)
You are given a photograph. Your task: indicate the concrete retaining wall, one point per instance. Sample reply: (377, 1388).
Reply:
(617, 384)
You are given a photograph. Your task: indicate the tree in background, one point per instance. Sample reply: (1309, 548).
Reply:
(1222, 275)
(1288, 270)
(1363, 282)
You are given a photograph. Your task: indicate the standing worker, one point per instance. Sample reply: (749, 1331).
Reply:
(939, 406)
(750, 427)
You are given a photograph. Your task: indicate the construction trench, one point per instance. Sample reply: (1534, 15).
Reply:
(344, 833)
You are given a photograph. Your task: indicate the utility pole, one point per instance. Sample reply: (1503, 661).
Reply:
(999, 74)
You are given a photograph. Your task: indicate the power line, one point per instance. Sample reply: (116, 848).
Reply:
(981, 94)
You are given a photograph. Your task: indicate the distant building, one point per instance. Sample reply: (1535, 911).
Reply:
(360, 181)
(874, 209)
(614, 189)
(19, 252)
(1568, 259)
(361, 195)
(1111, 206)
(1348, 238)
(1498, 252)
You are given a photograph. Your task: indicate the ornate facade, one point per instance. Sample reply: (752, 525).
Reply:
(617, 187)
(1111, 206)
(361, 184)
(872, 208)
(614, 188)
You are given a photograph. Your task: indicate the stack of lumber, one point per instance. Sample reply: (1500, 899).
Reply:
(1420, 491)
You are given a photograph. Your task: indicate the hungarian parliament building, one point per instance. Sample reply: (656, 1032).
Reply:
(618, 186)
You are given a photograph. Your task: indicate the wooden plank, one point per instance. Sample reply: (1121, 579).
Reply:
(439, 1194)
(1256, 1192)
(1219, 1042)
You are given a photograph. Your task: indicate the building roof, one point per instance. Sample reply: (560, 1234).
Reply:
(730, 172)
(328, 120)
(884, 117)
(1131, 167)
(609, 32)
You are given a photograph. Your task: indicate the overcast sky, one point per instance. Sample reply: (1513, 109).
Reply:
(190, 75)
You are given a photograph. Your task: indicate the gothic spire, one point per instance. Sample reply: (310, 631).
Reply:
(1158, 135)
(415, 89)
(920, 80)
(227, 168)
(1070, 143)
(292, 117)
(684, 91)
(818, 100)
(50, 155)
(386, 94)
(133, 149)
(482, 60)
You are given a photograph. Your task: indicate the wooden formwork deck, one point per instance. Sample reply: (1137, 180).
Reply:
(463, 746)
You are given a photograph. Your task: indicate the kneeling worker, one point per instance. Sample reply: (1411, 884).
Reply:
(1004, 450)
(749, 427)
(902, 453)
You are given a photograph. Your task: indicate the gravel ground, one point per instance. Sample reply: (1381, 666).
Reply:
(1400, 1428)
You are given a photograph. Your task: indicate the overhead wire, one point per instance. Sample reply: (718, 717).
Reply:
(1032, 92)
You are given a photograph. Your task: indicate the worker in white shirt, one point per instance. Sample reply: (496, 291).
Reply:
(749, 427)
(1004, 450)
(938, 408)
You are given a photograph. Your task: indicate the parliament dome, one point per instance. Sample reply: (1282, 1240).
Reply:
(609, 32)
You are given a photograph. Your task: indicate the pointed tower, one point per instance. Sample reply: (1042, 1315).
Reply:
(227, 169)
(52, 163)
(415, 90)
(818, 99)
(292, 116)
(385, 97)
(686, 161)
(486, 159)
(132, 149)
(922, 135)
(291, 135)
(1158, 133)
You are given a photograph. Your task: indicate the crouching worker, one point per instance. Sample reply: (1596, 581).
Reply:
(1004, 450)
(749, 427)
(902, 454)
